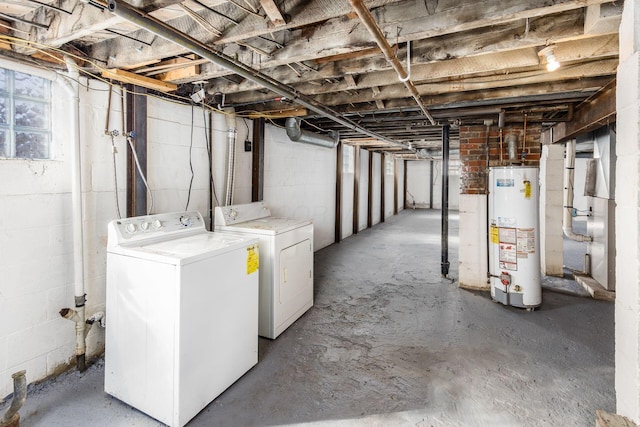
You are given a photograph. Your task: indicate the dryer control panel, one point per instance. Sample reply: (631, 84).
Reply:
(158, 226)
(236, 214)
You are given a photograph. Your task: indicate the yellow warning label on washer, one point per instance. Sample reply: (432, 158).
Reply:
(253, 261)
(494, 233)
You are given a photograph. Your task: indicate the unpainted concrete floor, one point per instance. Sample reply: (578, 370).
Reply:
(391, 342)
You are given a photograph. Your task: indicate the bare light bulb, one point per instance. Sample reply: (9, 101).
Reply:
(552, 62)
(549, 56)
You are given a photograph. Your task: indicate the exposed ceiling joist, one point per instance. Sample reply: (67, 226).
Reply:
(138, 80)
(468, 59)
(273, 12)
(595, 112)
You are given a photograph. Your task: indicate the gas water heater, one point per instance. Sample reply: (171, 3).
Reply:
(514, 248)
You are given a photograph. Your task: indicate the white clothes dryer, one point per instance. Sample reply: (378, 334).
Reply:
(182, 313)
(286, 262)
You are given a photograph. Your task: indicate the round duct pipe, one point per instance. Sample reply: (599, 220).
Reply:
(296, 134)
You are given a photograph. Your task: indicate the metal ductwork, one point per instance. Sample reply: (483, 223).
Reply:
(161, 29)
(298, 135)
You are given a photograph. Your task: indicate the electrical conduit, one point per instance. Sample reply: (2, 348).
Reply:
(567, 218)
(77, 315)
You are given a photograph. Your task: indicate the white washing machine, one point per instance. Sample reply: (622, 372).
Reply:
(286, 262)
(182, 307)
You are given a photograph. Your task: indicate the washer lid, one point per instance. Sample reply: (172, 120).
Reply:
(270, 225)
(186, 250)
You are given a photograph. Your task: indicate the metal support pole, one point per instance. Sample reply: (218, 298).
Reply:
(430, 184)
(370, 192)
(382, 188)
(395, 186)
(404, 185)
(444, 257)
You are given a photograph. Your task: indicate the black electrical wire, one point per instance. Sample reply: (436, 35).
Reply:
(247, 126)
(190, 162)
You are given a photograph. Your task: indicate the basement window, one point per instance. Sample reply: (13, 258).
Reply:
(389, 165)
(25, 115)
(348, 159)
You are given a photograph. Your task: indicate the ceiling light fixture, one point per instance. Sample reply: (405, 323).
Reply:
(549, 54)
(198, 96)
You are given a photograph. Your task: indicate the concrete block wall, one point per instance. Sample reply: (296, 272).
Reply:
(627, 217)
(419, 188)
(300, 181)
(363, 201)
(36, 212)
(36, 233)
(172, 145)
(472, 273)
(551, 205)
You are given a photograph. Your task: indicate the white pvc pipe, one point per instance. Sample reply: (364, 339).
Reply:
(567, 218)
(77, 212)
(408, 64)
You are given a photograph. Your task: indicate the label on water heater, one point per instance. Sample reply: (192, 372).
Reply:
(495, 239)
(508, 257)
(526, 241)
(505, 182)
(506, 222)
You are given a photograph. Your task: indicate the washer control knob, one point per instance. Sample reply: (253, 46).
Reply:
(185, 220)
(156, 224)
(131, 228)
(144, 226)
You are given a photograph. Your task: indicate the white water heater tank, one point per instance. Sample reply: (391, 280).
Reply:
(514, 248)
